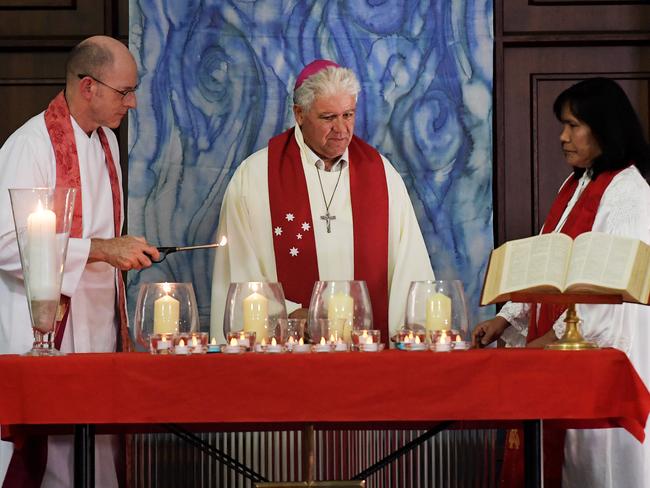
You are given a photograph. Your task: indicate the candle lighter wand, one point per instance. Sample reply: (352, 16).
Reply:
(165, 250)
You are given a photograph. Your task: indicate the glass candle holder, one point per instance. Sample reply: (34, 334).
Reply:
(161, 344)
(366, 340)
(433, 306)
(256, 308)
(441, 341)
(345, 304)
(244, 339)
(165, 308)
(43, 219)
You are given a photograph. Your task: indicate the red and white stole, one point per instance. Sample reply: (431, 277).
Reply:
(580, 220)
(295, 258)
(59, 127)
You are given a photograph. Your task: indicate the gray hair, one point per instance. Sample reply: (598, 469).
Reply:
(328, 81)
(88, 58)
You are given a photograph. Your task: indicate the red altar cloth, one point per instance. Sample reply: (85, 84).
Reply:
(584, 389)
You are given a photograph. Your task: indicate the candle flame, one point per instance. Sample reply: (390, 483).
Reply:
(233, 342)
(194, 341)
(181, 343)
(322, 341)
(368, 340)
(274, 342)
(264, 341)
(443, 337)
(365, 333)
(291, 341)
(458, 338)
(39, 207)
(332, 338)
(213, 341)
(411, 335)
(301, 342)
(223, 241)
(242, 336)
(417, 340)
(166, 287)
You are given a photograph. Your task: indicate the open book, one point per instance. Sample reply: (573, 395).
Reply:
(595, 263)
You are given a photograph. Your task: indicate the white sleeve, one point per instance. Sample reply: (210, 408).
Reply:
(517, 315)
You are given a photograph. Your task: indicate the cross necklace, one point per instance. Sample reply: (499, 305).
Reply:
(327, 217)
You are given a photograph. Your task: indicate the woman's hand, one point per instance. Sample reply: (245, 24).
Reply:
(488, 331)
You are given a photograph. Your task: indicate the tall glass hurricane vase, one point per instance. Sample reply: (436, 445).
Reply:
(43, 219)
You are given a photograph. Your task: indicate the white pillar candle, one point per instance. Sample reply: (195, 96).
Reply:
(41, 254)
(438, 312)
(256, 313)
(166, 312)
(340, 312)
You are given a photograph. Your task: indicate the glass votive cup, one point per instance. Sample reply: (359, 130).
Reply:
(366, 340)
(182, 344)
(405, 338)
(272, 347)
(300, 347)
(243, 339)
(213, 347)
(459, 343)
(233, 347)
(161, 344)
(198, 342)
(441, 340)
(323, 346)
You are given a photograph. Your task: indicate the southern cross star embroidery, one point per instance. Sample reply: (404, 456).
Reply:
(298, 236)
(293, 251)
(278, 231)
(290, 217)
(305, 226)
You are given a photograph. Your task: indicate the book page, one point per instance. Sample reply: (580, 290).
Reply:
(539, 260)
(601, 259)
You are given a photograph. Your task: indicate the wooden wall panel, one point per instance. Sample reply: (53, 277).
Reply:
(542, 47)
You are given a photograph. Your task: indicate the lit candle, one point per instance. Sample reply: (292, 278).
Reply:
(301, 347)
(274, 347)
(181, 348)
(443, 344)
(163, 344)
(290, 343)
(369, 345)
(213, 346)
(340, 312)
(197, 343)
(341, 346)
(323, 346)
(460, 344)
(417, 345)
(256, 313)
(166, 311)
(259, 347)
(438, 312)
(41, 254)
(244, 340)
(233, 347)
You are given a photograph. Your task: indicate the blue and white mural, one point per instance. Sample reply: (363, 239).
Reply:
(216, 81)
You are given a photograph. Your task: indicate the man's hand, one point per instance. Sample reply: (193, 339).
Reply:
(542, 341)
(124, 253)
(488, 331)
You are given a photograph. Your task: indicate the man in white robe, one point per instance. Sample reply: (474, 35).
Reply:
(324, 106)
(101, 77)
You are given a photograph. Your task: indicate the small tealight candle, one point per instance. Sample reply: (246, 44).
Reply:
(460, 344)
(417, 345)
(261, 347)
(274, 347)
(163, 345)
(322, 346)
(181, 348)
(443, 344)
(341, 346)
(244, 340)
(369, 345)
(213, 346)
(233, 347)
(409, 339)
(301, 347)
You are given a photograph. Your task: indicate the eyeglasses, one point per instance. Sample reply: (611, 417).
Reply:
(124, 93)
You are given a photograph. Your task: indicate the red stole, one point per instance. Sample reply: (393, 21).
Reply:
(295, 258)
(29, 459)
(580, 220)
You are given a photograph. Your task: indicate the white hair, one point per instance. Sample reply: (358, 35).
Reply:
(329, 81)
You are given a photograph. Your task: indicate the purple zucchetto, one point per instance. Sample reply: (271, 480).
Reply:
(313, 68)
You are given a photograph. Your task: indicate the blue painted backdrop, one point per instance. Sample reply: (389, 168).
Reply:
(216, 80)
